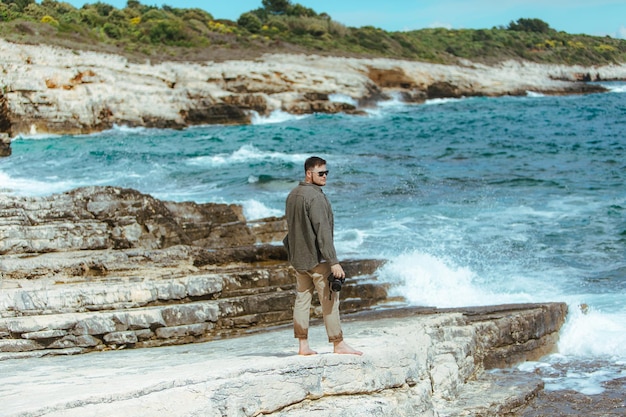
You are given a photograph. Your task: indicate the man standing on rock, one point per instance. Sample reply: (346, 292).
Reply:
(311, 252)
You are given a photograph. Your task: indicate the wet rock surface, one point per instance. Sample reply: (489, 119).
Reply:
(568, 403)
(5, 145)
(598, 392)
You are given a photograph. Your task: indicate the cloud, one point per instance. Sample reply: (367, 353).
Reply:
(621, 32)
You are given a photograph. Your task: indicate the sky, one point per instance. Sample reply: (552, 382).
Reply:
(591, 17)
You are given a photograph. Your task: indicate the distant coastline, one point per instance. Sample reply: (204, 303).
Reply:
(52, 90)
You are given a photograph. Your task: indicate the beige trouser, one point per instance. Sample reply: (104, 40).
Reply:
(306, 282)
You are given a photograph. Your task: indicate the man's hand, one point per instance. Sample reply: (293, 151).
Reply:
(337, 271)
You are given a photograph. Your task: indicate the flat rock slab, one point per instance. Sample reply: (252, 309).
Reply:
(418, 365)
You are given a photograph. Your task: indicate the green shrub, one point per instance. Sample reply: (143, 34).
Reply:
(154, 14)
(18, 5)
(56, 8)
(337, 29)
(72, 17)
(276, 24)
(300, 10)
(3, 12)
(102, 9)
(250, 22)
(301, 25)
(112, 31)
(166, 31)
(197, 14)
(35, 11)
(91, 18)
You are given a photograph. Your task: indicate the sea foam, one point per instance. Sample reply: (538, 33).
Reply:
(426, 280)
(246, 153)
(25, 187)
(590, 332)
(342, 98)
(254, 210)
(278, 116)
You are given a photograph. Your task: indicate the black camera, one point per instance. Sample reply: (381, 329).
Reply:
(335, 284)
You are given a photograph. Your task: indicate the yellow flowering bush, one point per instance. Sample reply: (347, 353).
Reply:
(605, 48)
(50, 20)
(576, 44)
(219, 27)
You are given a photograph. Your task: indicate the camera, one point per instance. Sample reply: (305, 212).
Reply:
(335, 284)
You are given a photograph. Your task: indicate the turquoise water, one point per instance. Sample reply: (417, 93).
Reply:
(472, 201)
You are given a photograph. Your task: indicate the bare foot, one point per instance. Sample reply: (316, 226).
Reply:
(344, 349)
(304, 349)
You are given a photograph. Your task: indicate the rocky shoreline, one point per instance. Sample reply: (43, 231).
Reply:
(50, 90)
(102, 269)
(105, 270)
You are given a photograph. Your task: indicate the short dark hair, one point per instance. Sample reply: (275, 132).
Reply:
(313, 162)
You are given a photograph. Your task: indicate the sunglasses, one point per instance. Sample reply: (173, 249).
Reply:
(321, 173)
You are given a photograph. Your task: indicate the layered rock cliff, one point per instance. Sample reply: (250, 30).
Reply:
(47, 89)
(103, 267)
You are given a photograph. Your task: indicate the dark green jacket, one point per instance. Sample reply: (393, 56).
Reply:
(310, 224)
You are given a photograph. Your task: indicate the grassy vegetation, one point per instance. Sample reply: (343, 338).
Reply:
(140, 31)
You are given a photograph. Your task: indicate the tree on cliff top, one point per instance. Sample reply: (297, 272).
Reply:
(530, 25)
(276, 6)
(284, 8)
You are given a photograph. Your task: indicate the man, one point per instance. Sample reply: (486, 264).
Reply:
(311, 252)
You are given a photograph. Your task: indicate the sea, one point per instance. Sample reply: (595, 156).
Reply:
(471, 201)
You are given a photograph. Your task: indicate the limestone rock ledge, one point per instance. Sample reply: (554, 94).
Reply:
(417, 362)
(53, 90)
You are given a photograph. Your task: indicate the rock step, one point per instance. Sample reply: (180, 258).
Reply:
(137, 290)
(113, 311)
(488, 395)
(133, 288)
(191, 322)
